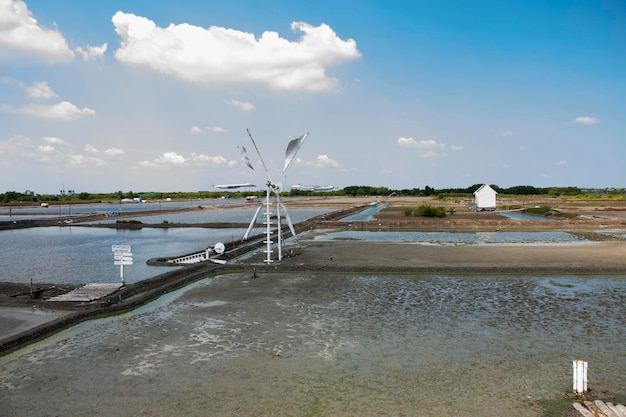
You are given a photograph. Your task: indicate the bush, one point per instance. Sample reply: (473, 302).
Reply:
(426, 211)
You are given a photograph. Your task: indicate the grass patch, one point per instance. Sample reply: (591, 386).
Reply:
(425, 211)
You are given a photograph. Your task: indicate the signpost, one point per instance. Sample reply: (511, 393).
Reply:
(122, 256)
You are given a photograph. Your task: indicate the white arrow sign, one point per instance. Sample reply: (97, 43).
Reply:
(120, 255)
(120, 248)
(122, 262)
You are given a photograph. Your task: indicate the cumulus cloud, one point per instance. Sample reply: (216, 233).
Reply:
(562, 162)
(422, 143)
(63, 110)
(195, 130)
(20, 32)
(241, 105)
(506, 134)
(586, 120)
(91, 149)
(92, 52)
(216, 56)
(322, 161)
(40, 89)
(176, 159)
(217, 129)
(115, 152)
(456, 147)
(21, 148)
(430, 146)
(170, 158)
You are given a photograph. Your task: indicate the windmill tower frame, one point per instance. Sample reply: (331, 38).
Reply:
(275, 187)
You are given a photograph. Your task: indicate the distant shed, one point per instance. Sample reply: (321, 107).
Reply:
(485, 198)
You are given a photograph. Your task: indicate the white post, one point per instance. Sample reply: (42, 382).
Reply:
(580, 376)
(268, 227)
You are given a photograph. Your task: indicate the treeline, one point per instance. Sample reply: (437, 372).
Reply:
(13, 197)
(451, 192)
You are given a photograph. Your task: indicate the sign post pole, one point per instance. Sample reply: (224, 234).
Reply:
(122, 256)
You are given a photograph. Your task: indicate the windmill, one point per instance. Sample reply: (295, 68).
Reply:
(275, 187)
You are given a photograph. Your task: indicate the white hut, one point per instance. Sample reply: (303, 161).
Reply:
(485, 198)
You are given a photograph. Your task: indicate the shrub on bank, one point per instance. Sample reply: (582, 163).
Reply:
(426, 211)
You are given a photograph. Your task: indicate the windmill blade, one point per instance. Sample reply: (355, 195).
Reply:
(260, 157)
(244, 157)
(256, 214)
(289, 223)
(292, 149)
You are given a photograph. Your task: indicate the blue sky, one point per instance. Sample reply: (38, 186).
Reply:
(155, 96)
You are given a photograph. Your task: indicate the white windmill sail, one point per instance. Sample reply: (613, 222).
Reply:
(292, 149)
(244, 157)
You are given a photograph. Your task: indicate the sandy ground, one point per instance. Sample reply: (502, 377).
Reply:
(349, 328)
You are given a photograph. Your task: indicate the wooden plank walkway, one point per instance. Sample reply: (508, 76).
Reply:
(599, 408)
(89, 292)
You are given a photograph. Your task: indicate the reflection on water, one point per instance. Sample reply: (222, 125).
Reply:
(461, 238)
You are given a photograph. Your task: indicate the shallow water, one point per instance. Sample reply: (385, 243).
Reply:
(81, 255)
(456, 238)
(425, 345)
(365, 215)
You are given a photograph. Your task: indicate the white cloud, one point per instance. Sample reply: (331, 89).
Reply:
(115, 152)
(63, 110)
(562, 162)
(217, 56)
(506, 134)
(586, 120)
(20, 149)
(92, 52)
(171, 158)
(175, 159)
(322, 161)
(47, 149)
(195, 130)
(217, 129)
(40, 90)
(210, 160)
(422, 143)
(55, 141)
(241, 105)
(523, 148)
(91, 149)
(77, 159)
(456, 147)
(19, 31)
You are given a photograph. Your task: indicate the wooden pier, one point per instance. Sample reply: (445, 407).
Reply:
(89, 292)
(599, 408)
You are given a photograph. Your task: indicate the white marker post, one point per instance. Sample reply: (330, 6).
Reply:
(580, 377)
(122, 256)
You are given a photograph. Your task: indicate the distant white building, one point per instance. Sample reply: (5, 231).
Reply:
(485, 198)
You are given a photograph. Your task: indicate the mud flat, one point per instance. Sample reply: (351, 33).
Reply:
(299, 344)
